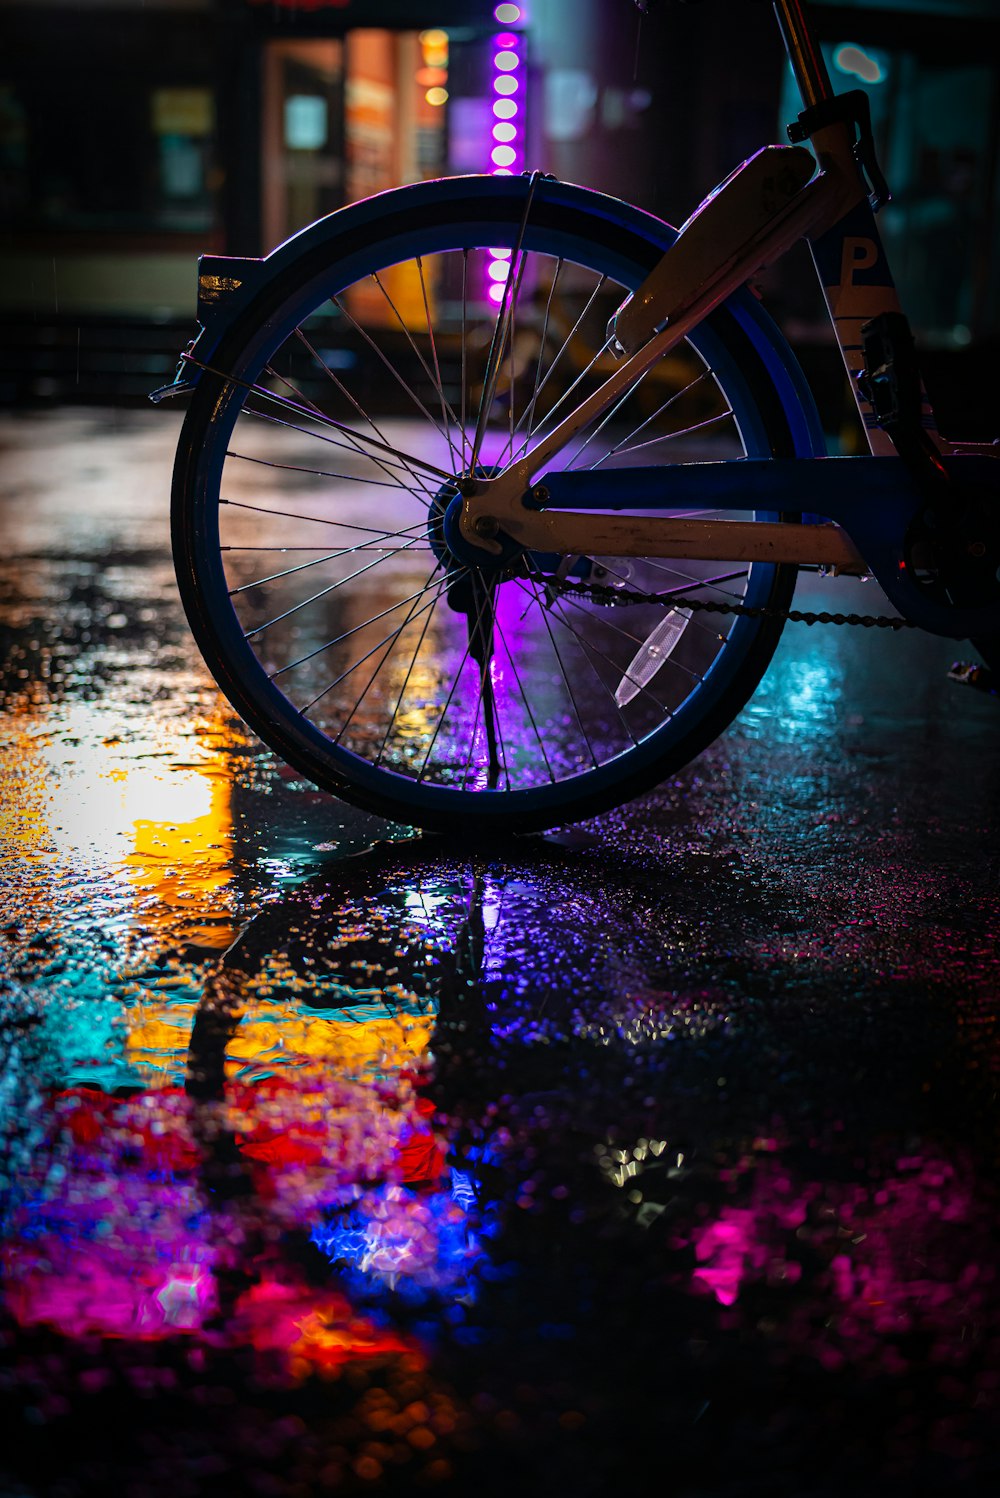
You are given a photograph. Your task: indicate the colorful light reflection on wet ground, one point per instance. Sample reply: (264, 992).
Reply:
(664, 1157)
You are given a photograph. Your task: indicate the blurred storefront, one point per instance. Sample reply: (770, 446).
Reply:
(136, 134)
(134, 137)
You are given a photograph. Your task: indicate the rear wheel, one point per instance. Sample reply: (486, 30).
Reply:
(312, 531)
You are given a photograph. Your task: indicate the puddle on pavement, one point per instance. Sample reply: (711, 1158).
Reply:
(381, 1203)
(662, 1155)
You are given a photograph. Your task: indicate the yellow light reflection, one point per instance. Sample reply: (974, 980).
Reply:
(283, 1033)
(122, 821)
(89, 796)
(25, 839)
(279, 1036)
(95, 793)
(186, 851)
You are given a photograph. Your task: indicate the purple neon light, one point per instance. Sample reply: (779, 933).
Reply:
(506, 144)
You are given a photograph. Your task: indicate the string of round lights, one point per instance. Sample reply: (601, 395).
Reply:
(506, 148)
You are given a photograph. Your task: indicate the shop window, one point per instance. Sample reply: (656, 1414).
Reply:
(183, 122)
(86, 153)
(345, 119)
(303, 141)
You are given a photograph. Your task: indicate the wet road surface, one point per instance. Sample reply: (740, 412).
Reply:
(337, 1159)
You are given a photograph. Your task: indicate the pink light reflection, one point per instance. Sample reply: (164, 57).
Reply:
(118, 1238)
(911, 1255)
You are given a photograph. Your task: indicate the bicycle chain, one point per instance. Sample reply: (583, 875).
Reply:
(716, 606)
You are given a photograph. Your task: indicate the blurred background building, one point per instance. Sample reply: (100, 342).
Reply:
(135, 134)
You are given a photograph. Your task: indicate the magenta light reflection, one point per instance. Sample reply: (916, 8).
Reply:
(506, 144)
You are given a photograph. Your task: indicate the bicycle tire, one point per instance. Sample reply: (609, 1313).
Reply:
(567, 750)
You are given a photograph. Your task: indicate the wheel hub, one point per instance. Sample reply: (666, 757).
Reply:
(450, 546)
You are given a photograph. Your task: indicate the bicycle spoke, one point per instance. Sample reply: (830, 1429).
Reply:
(330, 556)
(404, 460)
(573, 460)
(407, 482)
(698, 426)
(389, 642)
(590, 650)
(327, 421)
(343, 390)
(501, 326)
(692, 581)
(524, 696)
(566, 681)
(355, 629)
(447, 414)
(402, 691)
(694, 584)
(613, 628)
(393, 635)
(625, 444)
(448, 418)
(494, 360)
(547, 419)
(362, 546)
(345, 525)
(342, 478)
(314, 598)
(472, 743)
(536, 388)
(466, 444)
(403, 384)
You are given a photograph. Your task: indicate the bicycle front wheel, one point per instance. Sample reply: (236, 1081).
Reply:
(320, 456)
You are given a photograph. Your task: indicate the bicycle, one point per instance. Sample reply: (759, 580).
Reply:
(568, 583)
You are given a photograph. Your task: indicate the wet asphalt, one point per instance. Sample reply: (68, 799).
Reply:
(659, 1156)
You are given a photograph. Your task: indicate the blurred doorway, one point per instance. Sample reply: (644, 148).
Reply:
(347, 117)
(302, 174)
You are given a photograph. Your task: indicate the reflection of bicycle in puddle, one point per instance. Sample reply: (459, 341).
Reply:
(436, 1134)
(293, 1198)
(304, 1093)
(309, 1056)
